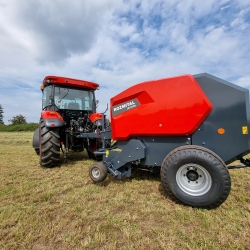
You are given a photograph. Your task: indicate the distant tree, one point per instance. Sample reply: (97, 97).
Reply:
(1, 114)
(18, 119)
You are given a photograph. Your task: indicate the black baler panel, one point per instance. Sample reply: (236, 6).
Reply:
(157, 148)
(230, 111)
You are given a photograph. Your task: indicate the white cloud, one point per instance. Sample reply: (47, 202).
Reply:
(117, 44)
(244, 81)
(239, 22)
(225, 7)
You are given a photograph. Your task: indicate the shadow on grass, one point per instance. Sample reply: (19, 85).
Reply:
(138, 175)
(73, 158)
(163, 193)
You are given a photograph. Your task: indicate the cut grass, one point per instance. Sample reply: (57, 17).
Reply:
(61, 208)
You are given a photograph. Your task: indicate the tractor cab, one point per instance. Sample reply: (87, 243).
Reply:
(71, 98)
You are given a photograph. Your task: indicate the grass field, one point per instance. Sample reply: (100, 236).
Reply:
(61, 208)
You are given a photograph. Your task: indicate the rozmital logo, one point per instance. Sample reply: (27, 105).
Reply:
(123, 106)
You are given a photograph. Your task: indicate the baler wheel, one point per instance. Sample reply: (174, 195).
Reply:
(49, 146)
(98, 172)
(195, 176)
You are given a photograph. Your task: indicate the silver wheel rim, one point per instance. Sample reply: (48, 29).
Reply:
(96, 173)
(193, 179)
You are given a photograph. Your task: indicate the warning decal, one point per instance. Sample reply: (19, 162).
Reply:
(244, 130)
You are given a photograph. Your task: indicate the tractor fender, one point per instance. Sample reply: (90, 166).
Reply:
(95, 116)
(52, 119)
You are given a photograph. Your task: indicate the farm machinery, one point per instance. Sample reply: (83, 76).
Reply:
(69, 109)
(186, 127)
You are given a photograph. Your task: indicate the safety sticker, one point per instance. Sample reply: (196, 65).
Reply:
(244, 130)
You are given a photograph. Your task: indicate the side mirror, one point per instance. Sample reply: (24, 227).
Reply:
(96, 103)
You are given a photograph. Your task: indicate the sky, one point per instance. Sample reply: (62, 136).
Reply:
(117, 44)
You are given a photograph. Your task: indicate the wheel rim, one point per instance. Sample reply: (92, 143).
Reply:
(193, 179)
(96, 172)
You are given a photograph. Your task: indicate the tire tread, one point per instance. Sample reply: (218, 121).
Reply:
(49, 146)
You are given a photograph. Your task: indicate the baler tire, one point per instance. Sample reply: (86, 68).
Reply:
(195, 176)
(98, 172)
(37, 151)
(49, 146)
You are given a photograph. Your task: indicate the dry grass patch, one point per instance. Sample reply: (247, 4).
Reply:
(61, 208)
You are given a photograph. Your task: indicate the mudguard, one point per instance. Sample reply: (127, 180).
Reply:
(95, 116)
(52, 119)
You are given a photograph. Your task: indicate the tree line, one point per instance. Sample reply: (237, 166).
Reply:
(17, 123)
(17, 119)
(1, 114)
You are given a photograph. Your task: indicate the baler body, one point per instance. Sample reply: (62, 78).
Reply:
(185, 110)
(188, 127)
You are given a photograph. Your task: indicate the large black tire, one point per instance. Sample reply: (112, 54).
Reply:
(36, 141)
(98, 172)
(49, 146)
(195, 176)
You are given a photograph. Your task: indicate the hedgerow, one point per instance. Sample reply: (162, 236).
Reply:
(18, 127)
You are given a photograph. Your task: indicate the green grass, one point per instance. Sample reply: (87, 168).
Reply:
(61, 208)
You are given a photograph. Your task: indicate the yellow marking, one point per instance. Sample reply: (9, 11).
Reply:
(244, 130)
(117, 150)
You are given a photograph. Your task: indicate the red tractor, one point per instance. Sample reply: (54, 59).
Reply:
(68, 110)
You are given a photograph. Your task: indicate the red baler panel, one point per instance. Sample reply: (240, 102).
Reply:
(172, 106)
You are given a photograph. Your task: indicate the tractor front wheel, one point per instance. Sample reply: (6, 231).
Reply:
(195, 176)
(49, 146)
(98, 172)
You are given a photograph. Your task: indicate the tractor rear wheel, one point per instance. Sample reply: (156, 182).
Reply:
(195, 176)
(49, 146)
(98, 172)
